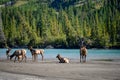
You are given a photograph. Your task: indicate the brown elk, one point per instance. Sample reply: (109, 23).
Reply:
(36, 52)
(19, 54)
(83, 54)
(61, 59)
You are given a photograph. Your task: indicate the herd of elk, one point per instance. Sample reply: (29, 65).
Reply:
(21, 54)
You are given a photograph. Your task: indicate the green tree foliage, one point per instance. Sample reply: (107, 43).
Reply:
(64, 24)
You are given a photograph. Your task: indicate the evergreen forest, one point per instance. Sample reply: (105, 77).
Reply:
(61, 23)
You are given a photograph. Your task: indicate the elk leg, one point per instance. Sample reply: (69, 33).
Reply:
(80, 57)
(85, 59)
(25, 58)
(42, 56)
(36, 57)
(15, 58)
(19, 59)
(22, 57)
(7, 57)
(32, 57)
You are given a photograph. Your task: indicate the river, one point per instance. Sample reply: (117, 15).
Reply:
(72, 53)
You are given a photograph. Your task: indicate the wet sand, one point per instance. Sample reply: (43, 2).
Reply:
(52, 70)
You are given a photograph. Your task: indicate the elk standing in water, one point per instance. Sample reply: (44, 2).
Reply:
(83, 53)
(19, 54)
(36, 52)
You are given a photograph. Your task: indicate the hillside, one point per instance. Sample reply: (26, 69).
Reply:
(62, 23)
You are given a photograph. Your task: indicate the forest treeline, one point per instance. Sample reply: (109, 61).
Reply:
(63, 23)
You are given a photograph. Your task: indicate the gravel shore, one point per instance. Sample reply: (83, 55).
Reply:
(52, 70)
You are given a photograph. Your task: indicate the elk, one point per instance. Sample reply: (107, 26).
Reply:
(36, 52)
(61, 59)
(19, 54)
(83, 54)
